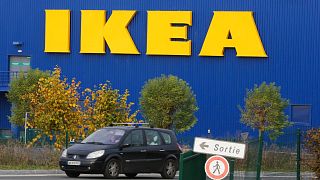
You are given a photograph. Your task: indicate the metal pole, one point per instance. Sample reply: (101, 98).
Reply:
(181, 165)
(67, 139)
(231, 169)
(25, 127)
(259, 155)
(298, 153)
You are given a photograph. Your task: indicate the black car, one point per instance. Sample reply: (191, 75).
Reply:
(123, 150)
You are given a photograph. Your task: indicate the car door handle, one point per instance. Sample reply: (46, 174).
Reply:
(143, 150)
(162, 150)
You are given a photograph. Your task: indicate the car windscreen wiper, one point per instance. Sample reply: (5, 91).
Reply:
(98, 143)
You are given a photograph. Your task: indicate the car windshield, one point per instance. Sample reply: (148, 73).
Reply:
(104, 136)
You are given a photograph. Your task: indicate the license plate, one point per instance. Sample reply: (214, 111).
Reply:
(74, 163)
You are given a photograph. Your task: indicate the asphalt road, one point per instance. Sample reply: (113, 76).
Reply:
(81, 177)
(140, 176)
(59, 176)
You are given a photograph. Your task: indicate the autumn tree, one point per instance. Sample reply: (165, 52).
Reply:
(56, 109)
(104, 106)
(168, 102)
(25, 83)
(264, 110)
(312, 144)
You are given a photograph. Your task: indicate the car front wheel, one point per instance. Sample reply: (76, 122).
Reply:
(170, 169)
(112, 169)
(72, 174)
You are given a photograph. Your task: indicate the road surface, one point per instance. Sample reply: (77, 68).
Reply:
(81, 177)
(283, 176)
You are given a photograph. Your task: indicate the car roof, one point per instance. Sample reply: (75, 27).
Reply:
(126, 128)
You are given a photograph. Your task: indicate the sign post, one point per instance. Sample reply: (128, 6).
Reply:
(217, 167)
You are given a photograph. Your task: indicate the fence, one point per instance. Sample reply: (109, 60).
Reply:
(44, 140)
(284, 158)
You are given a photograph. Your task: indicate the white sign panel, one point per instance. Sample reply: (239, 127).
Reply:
(216, 147)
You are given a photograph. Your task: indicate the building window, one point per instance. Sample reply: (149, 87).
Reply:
(301, 114)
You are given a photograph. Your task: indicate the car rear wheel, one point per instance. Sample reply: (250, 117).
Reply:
(169, 169)
(112, 169)
(131, 175)
(72, 174)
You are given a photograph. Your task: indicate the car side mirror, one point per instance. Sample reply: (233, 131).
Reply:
(125, 145)
(73, 141)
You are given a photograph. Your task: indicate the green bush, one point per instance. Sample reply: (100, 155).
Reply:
(264, 109)
(24, 84)
(168, 102)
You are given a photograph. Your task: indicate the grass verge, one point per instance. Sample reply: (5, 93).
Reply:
(15, 155)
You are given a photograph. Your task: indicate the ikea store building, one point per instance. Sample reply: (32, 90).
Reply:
(220, 47)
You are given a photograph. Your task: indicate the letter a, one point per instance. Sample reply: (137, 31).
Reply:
(233, 30)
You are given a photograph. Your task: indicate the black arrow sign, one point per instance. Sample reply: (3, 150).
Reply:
(203, 145)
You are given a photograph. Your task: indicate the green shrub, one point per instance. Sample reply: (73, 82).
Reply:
(168, 102)
(264, 109)
(24, 84)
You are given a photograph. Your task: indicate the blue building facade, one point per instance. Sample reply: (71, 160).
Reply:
(289, 31)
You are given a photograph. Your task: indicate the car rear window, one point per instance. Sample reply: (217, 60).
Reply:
(153, 138)
(166, 137)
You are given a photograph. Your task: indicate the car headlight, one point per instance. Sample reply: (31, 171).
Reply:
(64, 153)
(95, 154)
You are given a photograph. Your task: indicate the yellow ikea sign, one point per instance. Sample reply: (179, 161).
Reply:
(228, 29)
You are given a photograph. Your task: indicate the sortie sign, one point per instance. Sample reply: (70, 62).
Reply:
(217, 147)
